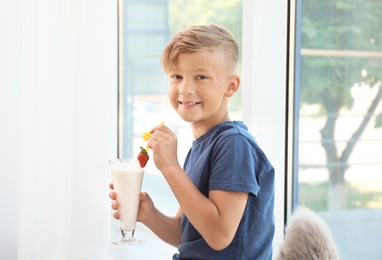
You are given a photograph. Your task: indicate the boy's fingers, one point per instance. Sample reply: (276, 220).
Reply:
(142, 195)
(114, 205)
(112, 195)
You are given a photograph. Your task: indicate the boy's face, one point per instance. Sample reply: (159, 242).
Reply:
(199, 87)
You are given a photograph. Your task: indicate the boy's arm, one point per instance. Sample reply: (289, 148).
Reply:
(216, 218)
(165, 227)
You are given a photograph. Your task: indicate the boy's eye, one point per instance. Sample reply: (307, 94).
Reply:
(201, 77)
(176, 77)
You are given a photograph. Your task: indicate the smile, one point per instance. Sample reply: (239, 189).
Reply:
(189, 103)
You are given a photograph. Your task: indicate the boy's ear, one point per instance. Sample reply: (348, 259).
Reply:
(233, 86)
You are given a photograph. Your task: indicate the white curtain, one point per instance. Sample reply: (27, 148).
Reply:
(58, 79)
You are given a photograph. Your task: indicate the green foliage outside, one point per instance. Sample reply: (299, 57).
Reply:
(350, 31)
(314, 196)
(339, 25)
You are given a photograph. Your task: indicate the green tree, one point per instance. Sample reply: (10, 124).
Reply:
(226, 13)
(353, 26)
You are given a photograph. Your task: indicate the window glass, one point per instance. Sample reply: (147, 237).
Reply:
(148, 26)
(338, 78)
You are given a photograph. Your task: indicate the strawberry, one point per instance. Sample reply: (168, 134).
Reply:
(143, 157)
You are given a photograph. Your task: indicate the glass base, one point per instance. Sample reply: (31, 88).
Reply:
(128, 239)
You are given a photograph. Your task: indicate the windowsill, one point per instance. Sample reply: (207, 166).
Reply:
(153, 248)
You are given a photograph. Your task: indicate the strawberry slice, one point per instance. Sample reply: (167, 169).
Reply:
(143, 157)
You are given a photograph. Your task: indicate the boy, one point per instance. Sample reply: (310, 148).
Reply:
(226, 188)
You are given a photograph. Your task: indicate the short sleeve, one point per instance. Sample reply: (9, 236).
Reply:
(233, 162)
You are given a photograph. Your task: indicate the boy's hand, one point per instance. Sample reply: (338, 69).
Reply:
(146, 206)
(114, 204)
(163, 142)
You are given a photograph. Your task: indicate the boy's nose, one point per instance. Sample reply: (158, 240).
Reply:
(186, 88)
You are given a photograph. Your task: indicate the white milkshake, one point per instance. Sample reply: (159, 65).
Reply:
(127, 176)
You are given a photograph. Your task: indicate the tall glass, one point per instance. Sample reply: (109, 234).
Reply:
(127, 176)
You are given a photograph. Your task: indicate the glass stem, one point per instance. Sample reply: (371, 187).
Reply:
(127, 234)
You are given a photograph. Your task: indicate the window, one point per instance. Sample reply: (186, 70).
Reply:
(338, 74)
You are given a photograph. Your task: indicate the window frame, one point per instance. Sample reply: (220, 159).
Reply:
(267, 52)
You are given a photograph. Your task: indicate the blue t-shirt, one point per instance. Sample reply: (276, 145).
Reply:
(228, 158)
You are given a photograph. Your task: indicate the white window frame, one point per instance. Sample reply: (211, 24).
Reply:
(265, 93)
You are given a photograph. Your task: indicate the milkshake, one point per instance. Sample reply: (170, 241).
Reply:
(127, 176)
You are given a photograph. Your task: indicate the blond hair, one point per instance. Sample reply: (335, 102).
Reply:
(201, 38)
